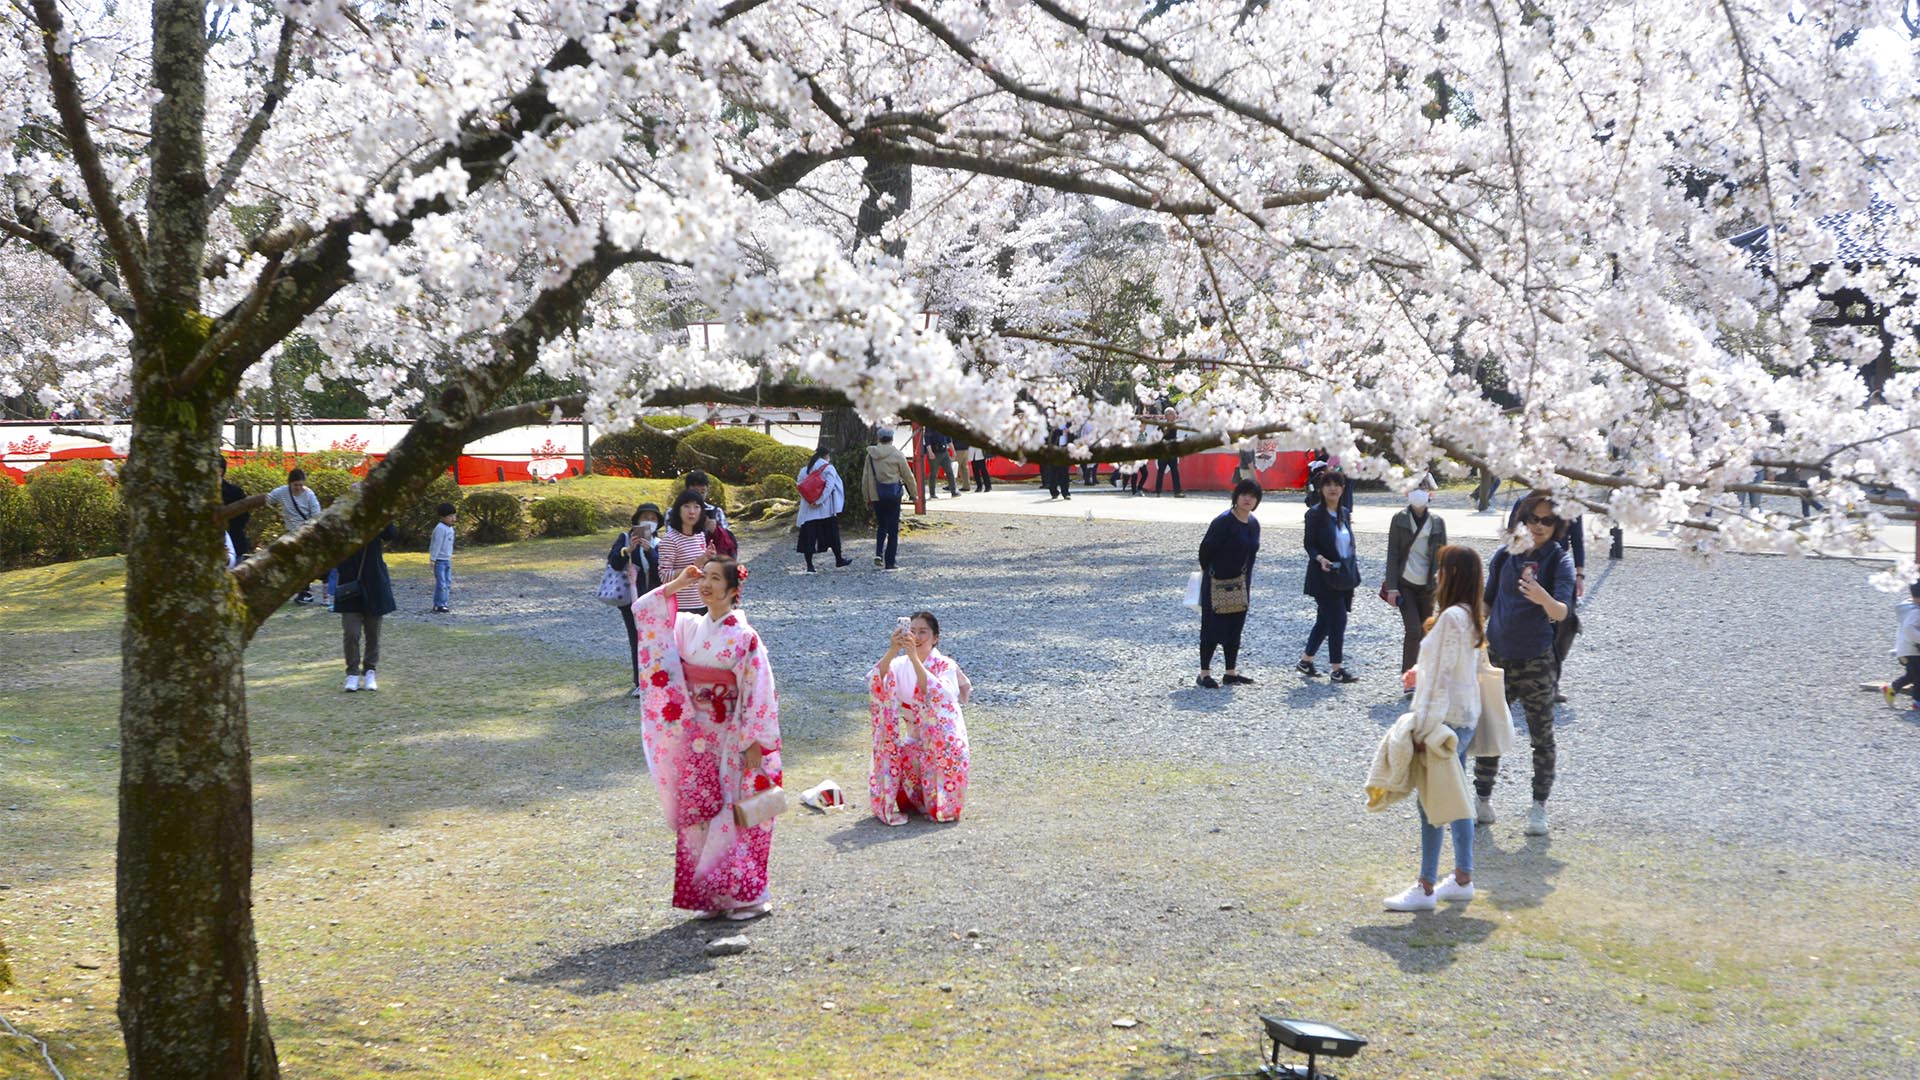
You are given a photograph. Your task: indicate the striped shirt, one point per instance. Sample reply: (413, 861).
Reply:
(677, 552)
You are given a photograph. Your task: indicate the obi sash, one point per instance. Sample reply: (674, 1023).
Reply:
(717, 686)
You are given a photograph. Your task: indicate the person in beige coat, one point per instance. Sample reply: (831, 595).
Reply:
(885, 481)
(1426, 750)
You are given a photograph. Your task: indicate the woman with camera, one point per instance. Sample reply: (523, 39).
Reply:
(920, 754)
(711, 730)
(635, 554)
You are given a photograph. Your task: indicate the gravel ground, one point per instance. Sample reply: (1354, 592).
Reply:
(1697, 692)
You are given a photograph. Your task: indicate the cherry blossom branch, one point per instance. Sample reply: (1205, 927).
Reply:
(27, 225)
(122, 238)
(262, 118)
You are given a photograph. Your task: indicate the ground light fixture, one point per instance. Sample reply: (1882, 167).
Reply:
(1310, 1037)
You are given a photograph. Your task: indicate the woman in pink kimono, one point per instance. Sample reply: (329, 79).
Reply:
(920, 756)
(711, 727)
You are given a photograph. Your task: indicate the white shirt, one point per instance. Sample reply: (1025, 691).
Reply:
(440, 547)
(1419, 560)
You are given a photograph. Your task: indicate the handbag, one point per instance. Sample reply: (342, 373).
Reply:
(351, 590)
(891, 492)
(1228, 595)
(814, 484)
(1493, 735)
(615, 590)
(763, 807)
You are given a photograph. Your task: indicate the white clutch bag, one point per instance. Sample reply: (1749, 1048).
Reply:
(762, 808)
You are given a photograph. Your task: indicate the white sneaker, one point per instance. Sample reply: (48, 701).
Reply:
(1537, 820)
(353, 683)
(368, 682)
(1414, 899)
(1483, 810)
(1451, 890)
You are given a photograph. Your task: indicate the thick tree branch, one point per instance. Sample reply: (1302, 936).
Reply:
(68, 101)
(27, 225)
(513, 416)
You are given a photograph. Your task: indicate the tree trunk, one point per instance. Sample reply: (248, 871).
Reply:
(190, 1001)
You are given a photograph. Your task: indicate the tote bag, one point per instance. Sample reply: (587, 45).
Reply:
(1493, 735)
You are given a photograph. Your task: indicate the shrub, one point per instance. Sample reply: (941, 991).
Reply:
(77, 512)
(19, 532)
(779, 486)
(722, 452)
(645, 452)
(779, 460)
(330, 484)
(566, 515)
(494, 517)
(353, 461)
(416, 522)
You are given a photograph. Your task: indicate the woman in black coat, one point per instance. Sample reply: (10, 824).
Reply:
(1226, 559)
(362, 598)
(634, 550)
(1333, 573)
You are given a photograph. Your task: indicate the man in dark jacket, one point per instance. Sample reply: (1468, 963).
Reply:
(1413, 538)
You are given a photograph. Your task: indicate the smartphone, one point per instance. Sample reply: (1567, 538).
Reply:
(1530, 571)
(904, 623)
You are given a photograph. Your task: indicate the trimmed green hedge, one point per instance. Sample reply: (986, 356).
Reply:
(76, 513)
(777, 460)
(494, 517)
(722, 452)
(646, 452)
(19, 529)
(566, 515)
(780, 486)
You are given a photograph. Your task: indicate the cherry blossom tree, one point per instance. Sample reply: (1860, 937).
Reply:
(1355, 212)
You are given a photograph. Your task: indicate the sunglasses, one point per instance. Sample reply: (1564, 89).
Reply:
(1547, 520)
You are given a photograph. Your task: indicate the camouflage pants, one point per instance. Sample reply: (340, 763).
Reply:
(1531, 683)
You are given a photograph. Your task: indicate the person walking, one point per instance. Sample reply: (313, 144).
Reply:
(940, 451)
(1568, 628)
(363, 597)
(1529, 591)
(1170, 464)
(885, 484)
(711, 731)
(1058, 478)
(958, 464)
(298, 505)
(1333, 573)
(920, 753)
(819, 519)
(977, 464)
(1906, 650)
(685, 544)
(1413, 537)
(636, 554)
(1445, 682)
(1226, 579)
(440, 555)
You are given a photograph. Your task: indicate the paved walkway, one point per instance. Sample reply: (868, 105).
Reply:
(1371, 515)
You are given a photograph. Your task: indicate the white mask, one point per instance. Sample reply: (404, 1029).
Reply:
(647, 528)
(1418, 498)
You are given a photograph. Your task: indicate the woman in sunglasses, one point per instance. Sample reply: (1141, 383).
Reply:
(1530, 586)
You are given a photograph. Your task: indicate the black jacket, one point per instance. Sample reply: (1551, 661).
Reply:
(1228, 550)
(1319, 540)
(368, 566)
(648, 577)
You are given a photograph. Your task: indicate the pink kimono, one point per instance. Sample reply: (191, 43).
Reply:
(920, 756)
(709, 697)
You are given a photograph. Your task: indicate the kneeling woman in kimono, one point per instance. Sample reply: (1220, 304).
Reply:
(920, 757)
(711, 728)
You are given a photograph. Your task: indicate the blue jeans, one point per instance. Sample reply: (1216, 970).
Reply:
(442, 582)
(886, 530)
(1430, 835)
(333, 581)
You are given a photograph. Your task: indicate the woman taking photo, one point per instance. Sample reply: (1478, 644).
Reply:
(1445, 680)
(920, 755)
(1530, 586)
(685, 544)
(1333, 573)
(1226, 569)
(819, 519)
(634, 555)
(711, 729)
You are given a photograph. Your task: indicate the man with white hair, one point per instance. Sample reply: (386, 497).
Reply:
(885, 483)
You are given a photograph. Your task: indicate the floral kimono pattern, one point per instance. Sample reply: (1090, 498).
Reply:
(709, 698)
(920, 755)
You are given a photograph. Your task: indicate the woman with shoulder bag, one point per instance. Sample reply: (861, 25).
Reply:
(1333, 573)
(1445, 681)
(362, 599)
(635, 556)
(1226, 568)
(819, 516)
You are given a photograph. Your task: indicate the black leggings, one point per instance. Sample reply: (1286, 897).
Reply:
(981, 481)
(1224, 631)
(1910, 682)
(1167, 468)
(1330, 626)
(633, 642)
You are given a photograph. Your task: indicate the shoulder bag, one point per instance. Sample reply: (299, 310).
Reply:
(814, 484)
(1493, 735)
(351, 590)
(615, 590)
(890, 492)
(1228, 595)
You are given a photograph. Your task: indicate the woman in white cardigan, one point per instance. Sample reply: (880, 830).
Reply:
(1446, 701)
(819, 519)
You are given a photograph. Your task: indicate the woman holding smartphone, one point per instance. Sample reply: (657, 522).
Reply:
(920, 754)
(1530, 585)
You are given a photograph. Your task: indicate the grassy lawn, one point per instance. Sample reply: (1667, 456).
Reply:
(464, 876)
